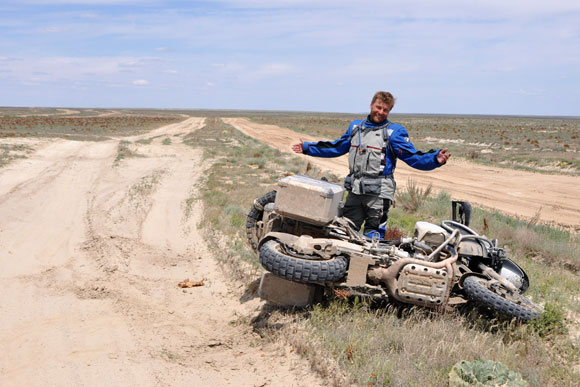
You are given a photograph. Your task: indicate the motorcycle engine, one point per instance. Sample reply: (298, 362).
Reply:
(430, 234)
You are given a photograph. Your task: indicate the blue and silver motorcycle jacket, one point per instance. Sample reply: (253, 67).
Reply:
(373, 153)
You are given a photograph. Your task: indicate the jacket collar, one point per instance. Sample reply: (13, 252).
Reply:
(369, 124)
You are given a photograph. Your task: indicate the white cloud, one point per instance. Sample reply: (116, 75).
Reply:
(141, 82)
(228, 67)
(53, 29)
(534, 92)
(268, 70)
(380, 66)
(89, 15)
(259, 47)
(58, 69)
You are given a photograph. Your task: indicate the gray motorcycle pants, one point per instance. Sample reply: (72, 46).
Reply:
(369, 209)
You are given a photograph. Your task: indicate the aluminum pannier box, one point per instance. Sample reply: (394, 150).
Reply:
(303, 198)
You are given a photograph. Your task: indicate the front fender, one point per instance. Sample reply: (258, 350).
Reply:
(515, 274)
(508, 270)
(469, 274)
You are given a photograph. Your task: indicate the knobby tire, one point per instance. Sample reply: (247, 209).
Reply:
(278, 262)
(255, 215)
(479, 293)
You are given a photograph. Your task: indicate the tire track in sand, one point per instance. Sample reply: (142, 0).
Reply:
(91, 254)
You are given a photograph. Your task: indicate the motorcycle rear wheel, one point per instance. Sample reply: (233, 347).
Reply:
(278, 261)
(515, 306)
(255, 215)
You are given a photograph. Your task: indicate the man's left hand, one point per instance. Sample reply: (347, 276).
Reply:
(443, 156)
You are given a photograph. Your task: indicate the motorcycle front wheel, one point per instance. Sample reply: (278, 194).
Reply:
(495, 297)
(281, 262)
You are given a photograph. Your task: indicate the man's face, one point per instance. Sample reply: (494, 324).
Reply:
(379, 111)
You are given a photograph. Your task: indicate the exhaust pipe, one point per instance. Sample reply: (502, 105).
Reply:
(389, 276)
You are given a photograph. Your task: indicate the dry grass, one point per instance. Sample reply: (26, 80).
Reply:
(242, 170)
(390, 346)
(553, 247)
(11, 152)
(413, 196)
(387, 344)
(82, 126)
(124, 151)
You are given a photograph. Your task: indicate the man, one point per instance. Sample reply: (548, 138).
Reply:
(374, 145)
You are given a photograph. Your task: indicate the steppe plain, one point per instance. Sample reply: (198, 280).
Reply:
(98, 227)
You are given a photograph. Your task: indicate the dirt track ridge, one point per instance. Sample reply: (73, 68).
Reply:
(91, 253)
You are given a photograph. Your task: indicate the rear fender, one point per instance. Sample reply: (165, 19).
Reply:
(280, 236)
(305, 244)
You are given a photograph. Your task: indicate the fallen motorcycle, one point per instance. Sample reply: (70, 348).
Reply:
(301, 237)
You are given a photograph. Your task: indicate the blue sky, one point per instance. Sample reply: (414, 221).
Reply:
(457, 57)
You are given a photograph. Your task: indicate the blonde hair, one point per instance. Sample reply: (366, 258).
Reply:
(385, 97)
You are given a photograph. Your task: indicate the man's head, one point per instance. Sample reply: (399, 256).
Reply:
(381, 105)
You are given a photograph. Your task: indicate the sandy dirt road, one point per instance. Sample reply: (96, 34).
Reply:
(512, 192)
(90, 257)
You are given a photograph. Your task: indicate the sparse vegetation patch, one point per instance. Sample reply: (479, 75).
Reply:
(392, 344)
(83, 127)
(123, 151)
(243, 170)
(10, 152)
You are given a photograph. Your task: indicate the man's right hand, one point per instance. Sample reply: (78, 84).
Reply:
(298, 148)
(443, 156)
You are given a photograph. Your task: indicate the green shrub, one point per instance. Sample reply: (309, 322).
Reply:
(550, 322)
(483, 373)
